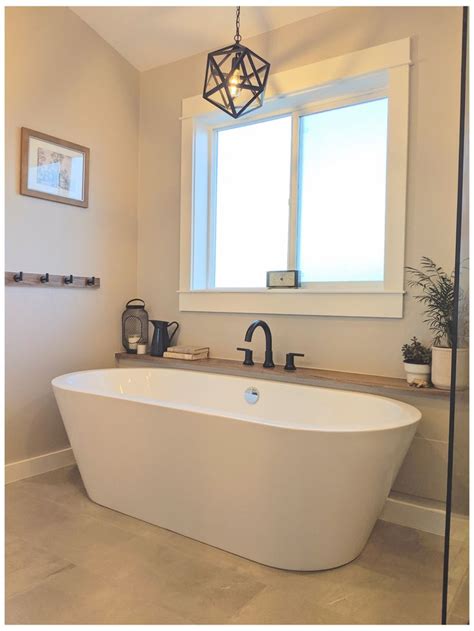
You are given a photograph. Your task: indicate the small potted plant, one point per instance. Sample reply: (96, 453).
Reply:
(438, 298)
(416, 361)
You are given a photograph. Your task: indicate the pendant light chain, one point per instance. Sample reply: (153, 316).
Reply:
(237, 36)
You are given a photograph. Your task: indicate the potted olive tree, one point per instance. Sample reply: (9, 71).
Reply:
(416, 361)
(437, 296)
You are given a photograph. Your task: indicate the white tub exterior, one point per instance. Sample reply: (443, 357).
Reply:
(295, 481)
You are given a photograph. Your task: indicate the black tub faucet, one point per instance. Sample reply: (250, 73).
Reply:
(290, 360)
(268, 363)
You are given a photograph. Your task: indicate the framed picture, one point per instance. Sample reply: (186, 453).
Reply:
(54, 169)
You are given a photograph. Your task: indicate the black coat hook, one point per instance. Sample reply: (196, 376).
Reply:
(90, 281)
(44, 278)
(69, 279)
(18, 277)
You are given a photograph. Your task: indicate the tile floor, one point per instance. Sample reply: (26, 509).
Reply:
(458, 585)
(72, 561)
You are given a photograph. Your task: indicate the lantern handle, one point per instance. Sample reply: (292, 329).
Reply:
(133, 300)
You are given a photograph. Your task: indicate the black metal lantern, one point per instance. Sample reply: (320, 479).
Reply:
(134, 325)
(236, 77)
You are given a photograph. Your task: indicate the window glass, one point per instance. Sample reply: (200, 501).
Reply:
(342, 182)
(252, 202)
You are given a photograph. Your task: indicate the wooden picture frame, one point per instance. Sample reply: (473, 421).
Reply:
(54, 169)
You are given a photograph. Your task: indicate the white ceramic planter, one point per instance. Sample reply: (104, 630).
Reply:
(417, 372)
(441, 368)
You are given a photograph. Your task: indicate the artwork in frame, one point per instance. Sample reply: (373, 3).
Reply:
(54, 169)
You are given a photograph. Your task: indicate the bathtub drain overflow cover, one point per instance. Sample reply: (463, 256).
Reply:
(251, 395)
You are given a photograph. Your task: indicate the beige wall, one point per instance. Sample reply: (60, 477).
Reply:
(354, 344)
(64, 80)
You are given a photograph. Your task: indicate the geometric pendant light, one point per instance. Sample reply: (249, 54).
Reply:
(236, 77)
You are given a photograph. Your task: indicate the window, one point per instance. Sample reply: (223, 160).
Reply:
(315, 180)
(251, 202)
(340, 174)
(342, 193)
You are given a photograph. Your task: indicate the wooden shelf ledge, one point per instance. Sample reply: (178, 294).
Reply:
(306, 376)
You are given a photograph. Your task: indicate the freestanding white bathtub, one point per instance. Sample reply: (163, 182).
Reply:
(295, 480)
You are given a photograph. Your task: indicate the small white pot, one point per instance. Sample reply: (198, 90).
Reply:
(417, 372)
(441, 368)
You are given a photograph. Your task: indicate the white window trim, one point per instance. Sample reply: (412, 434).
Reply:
(383, 300)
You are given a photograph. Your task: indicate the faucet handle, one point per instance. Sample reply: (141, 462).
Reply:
(290, 360)
(248, 361)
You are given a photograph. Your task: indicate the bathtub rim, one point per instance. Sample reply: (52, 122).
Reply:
(413, 414)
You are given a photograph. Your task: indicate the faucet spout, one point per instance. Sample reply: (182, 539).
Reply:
(268, 363)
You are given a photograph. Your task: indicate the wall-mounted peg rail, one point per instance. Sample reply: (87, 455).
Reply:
(25, 279)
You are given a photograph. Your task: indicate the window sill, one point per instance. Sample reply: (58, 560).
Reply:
(366, 303)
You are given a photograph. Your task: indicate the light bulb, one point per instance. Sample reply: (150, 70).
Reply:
(234, 83)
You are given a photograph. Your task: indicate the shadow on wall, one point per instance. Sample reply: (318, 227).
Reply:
(328, 39)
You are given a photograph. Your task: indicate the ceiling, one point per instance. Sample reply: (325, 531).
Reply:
(150, 36)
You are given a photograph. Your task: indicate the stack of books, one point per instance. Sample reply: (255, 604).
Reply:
(187, 352)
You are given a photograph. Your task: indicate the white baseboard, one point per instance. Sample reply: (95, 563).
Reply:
(415, 513)
(41, 464)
